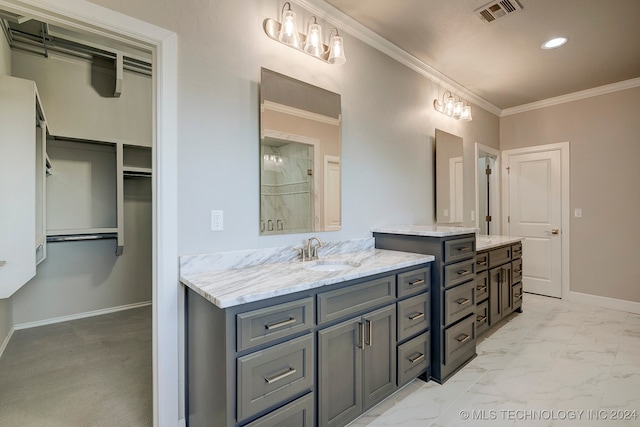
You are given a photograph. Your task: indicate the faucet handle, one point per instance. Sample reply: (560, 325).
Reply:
(302, 253)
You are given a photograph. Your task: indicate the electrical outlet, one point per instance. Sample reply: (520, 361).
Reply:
(217, 221)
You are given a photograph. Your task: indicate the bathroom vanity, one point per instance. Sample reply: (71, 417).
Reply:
(288, 343)
(498, 279)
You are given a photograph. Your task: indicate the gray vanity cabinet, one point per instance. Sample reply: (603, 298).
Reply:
(356, 365)
(502, 281)
(453, 301)
(319, 357)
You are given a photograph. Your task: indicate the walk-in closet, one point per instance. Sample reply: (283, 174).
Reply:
(75, 228)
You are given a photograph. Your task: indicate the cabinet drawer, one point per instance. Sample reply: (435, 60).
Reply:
(482, 261)
(516, 271)
(482, 286)
(482, 317)
(299, 413)
(459, 302)
(459, 272)
(268, 377)
(517, 295)
(499, 256)
(413, 358)
(414, 315)
(261, 326)
(459, 249)
(459, 339)
(516, 250)
(355, 298)
(414, 282)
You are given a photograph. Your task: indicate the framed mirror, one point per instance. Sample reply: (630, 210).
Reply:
(300, 156)
(449, 178)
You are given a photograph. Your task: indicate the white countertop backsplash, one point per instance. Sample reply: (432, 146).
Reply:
(232, 278)
(484, 242)
(425, 230)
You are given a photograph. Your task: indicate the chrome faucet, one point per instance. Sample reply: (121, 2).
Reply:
(312, 250)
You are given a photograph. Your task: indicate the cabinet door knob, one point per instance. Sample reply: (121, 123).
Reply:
(3, 263)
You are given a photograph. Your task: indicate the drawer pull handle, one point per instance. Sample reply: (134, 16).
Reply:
(464, 249)
(280, 324)
(275, 378)
(416, 282)
(481, 263)
(481, 288)
(517, 271)
(461, 272)
(370, 332)
(3, 263)
(417, 358)
(416, 316)
(481, 319)
(463, 301)
(360, 334)
(463, 338)
(518, 296)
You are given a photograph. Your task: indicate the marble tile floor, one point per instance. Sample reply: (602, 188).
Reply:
(556, 364)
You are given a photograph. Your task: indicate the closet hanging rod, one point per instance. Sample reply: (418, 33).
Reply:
(81, 237)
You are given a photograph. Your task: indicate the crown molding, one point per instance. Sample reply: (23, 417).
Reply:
(329, 13)
(575, 96)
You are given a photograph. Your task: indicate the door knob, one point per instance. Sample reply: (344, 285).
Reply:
(555, 231)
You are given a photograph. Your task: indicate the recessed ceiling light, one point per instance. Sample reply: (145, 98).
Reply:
(554, 43)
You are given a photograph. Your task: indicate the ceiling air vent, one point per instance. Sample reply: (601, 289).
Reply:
(497, 9)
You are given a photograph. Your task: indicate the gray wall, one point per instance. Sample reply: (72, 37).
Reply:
(79, 277)
(388, 124)
(604, 133)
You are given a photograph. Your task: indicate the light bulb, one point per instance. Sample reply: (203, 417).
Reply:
(336, 52)
(448, 106)
(466, 113)
(288, 31)
(313, 43)
(457, 110)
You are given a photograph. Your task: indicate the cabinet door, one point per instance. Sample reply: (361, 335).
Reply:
(379, 355)
(495, 307)
(17, 183)
(506, 296)
(340, 372)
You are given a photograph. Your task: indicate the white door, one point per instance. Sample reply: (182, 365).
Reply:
(535, 213)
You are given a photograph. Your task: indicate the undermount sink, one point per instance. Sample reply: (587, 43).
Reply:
(328, 265)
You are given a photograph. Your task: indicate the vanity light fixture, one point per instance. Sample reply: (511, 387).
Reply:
(453, 107)
(311, 43)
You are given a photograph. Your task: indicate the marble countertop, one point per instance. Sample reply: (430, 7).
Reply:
(484, 242)
(425, 230)
(235, 286)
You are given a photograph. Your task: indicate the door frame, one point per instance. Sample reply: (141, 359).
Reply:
(90, 18)
(565, 234)
(483, 149)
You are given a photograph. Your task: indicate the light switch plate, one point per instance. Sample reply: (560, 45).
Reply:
(577, 213)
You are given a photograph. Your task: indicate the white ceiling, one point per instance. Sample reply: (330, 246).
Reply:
(502, 61)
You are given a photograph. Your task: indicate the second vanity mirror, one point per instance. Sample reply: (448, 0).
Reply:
(300, 156)
(449, 178)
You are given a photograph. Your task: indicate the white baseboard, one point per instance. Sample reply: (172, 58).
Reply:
(182, 422)
(80, 315)
(605, 302)
(6, 341)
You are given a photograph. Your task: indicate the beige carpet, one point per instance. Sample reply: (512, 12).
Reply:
(87, 372)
